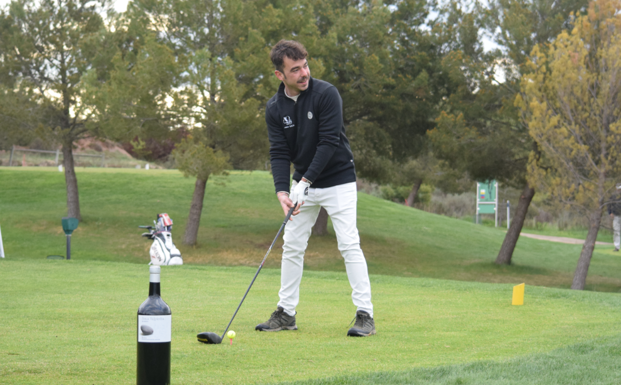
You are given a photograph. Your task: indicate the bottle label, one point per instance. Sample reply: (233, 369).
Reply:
(154, 328)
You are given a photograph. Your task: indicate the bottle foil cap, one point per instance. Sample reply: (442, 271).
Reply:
(155, 273)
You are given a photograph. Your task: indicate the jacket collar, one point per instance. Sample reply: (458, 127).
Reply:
(281, 89)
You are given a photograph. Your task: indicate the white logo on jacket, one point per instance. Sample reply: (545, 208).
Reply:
(287, 122)
(310, 115)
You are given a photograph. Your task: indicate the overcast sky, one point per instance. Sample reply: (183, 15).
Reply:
(120, 5)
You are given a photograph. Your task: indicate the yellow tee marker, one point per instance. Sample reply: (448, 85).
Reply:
(518, 295)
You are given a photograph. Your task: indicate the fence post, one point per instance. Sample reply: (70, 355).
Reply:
(102, 160)
(11, 157)
(57, 154)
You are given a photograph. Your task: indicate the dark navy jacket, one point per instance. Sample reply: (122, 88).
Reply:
(311, 135)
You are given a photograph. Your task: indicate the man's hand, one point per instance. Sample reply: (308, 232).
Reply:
(299, 192)
(287, 204)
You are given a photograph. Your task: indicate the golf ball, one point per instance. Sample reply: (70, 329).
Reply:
(230, 334)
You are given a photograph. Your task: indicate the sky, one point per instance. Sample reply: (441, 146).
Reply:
(119, 5)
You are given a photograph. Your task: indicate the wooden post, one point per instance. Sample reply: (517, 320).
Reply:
(11, 157)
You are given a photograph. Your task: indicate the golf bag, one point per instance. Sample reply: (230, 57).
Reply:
(163, 250)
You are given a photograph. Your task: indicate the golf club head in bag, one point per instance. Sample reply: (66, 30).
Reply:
(163, 251)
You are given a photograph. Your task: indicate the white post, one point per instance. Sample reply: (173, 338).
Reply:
(508, 214)
(496, 206)
(476, 211)
(1, 246)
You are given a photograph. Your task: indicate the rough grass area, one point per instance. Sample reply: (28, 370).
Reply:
(241, 216)
(74, 322)
(593, 362)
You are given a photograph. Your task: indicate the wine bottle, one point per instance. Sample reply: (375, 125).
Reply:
(154, 335)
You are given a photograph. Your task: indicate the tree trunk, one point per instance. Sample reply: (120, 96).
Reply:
(517, 222)
(71, 182)
(194, 219)
(321, 224)
(587, 252)
(414, 193)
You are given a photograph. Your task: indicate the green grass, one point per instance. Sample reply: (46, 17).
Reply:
(241, 216)
(604, 234)
(593, 362)
(73, 322)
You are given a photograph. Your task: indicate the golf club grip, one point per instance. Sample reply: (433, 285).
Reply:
(260, 267)
(289, 214)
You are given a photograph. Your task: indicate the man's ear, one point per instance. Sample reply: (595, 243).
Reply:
(279, 75)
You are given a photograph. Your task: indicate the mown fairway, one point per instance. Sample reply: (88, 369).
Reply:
(241, 217)
(74, 322)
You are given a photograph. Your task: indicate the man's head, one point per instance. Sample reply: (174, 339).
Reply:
(289, 59)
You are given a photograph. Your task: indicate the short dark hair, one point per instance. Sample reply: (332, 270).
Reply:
(289, 48)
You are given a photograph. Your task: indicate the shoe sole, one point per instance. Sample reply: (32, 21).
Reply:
(358, 333)
(294, 327)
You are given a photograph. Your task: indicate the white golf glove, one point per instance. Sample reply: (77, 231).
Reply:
(299, 191)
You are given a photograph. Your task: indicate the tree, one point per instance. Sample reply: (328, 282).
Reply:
(320, 228)
(194, 158)
(571, 105)
(17, 118)
(133, 98)
(216, 55)
(47, 47)
(386, 64)
(479, 129)
(76, 78)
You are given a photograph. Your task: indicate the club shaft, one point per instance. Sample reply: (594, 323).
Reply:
(284, 223)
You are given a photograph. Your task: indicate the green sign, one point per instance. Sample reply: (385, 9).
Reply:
(487, 197)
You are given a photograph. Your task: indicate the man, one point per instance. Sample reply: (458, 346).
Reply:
(305, 127)
(614, 209)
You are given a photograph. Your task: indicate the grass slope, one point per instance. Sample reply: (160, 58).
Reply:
(241, 217)
(74, 322)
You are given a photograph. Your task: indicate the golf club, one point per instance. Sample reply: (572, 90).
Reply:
(213, 338)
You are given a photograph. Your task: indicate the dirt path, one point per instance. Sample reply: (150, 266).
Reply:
(571, 241)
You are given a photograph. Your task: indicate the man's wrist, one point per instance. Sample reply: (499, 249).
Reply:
(306, 180)
(282, 192)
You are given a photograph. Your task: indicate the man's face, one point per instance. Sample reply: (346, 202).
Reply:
(295, 75)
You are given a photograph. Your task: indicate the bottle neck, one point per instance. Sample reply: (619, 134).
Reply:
(154, 288)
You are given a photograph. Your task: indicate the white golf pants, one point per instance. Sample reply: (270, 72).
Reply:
(616, 230)
(340, 202)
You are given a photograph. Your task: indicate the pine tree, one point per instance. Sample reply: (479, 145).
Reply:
(47, 49)
(479, 129)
